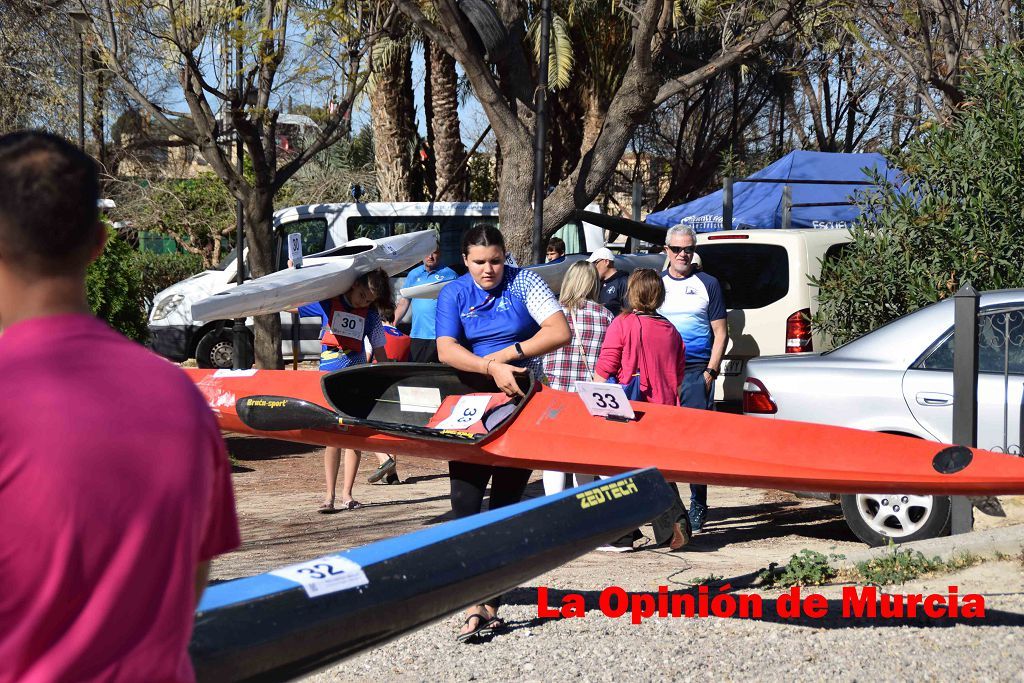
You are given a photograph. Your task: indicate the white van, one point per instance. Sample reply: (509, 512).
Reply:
(324, 227)
(764, 276)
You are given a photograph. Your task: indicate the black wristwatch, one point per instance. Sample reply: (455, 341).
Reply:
(712, 372)
(519, 350)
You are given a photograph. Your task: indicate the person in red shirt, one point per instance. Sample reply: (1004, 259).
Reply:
(115, 487)
(642, 341)
(397, 347)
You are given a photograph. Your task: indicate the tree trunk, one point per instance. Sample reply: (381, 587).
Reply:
(99, 103)
(390, 106)
(258, 211)
(515, 191)
(593, 119)
(449, 152)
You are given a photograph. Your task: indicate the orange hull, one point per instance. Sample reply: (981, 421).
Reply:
(553, 431)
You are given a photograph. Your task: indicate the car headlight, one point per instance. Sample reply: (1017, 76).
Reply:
(165, 306)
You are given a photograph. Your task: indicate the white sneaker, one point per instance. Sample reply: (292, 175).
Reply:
(621, 545)
(615, 548)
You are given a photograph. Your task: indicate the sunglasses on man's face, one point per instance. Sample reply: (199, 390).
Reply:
(676, 250)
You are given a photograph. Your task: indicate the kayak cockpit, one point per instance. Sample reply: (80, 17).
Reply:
(423, 399)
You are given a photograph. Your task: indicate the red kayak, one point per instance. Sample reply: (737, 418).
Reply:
(434, 411)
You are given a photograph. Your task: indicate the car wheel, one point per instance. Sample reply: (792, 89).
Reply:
(875, 518)
(216, 350)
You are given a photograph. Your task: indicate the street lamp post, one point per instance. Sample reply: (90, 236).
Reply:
(540, 133)
(240, 337)
(80, 20)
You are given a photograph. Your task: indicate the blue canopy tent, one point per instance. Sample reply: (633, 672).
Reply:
(760, 204)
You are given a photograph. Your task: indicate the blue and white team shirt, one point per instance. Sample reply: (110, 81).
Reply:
(485, 321)
(691, 304)
(332, 358)
(423, 310)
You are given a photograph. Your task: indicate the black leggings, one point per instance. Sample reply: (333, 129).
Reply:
(468, 482)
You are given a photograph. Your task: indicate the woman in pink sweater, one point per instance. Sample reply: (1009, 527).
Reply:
(642, 339)
(645, 340)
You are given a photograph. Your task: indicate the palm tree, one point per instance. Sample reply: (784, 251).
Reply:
(392, 115)
(449, 152)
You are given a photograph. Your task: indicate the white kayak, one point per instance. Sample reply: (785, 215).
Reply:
(552, 273)
(320, 277)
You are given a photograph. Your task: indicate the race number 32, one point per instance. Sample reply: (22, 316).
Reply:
(324, 575)
(605, 400)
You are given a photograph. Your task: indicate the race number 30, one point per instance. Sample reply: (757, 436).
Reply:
(605, 400)
(347, 325)
(295, 249)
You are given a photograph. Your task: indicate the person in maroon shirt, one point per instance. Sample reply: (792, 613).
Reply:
(115, 487)
(642, 341)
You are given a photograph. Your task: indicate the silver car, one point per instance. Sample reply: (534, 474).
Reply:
(899, 379)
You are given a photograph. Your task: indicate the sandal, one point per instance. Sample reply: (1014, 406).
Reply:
(351, 505)
(494, 625)
(327, 508)
(482, 621)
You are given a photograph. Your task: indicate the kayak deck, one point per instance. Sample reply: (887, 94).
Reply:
(362, 408)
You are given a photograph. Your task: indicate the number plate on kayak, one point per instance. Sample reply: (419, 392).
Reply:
(295, 249)
(605, 400)
(467, 411)
(324, 575)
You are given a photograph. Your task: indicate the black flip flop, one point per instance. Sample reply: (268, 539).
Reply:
(484, 620)
(494, 625)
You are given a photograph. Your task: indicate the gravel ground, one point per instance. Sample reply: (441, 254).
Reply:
(599, 648)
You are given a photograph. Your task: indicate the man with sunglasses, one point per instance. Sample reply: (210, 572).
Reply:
(694, 305)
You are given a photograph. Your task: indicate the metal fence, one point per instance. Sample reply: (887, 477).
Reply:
(1001, 351)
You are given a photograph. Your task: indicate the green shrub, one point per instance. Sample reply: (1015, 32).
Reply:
(160, 271)
(961, 220)
(806, 568)
(113, 286)
(897, 566)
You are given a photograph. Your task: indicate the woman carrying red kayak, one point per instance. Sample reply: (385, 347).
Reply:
(496, 320)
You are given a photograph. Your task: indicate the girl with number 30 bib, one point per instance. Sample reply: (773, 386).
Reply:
(347, 320)
(496, 320)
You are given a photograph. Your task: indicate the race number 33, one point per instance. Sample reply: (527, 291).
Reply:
(605, 400)
(347, 325)
(468, 410)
